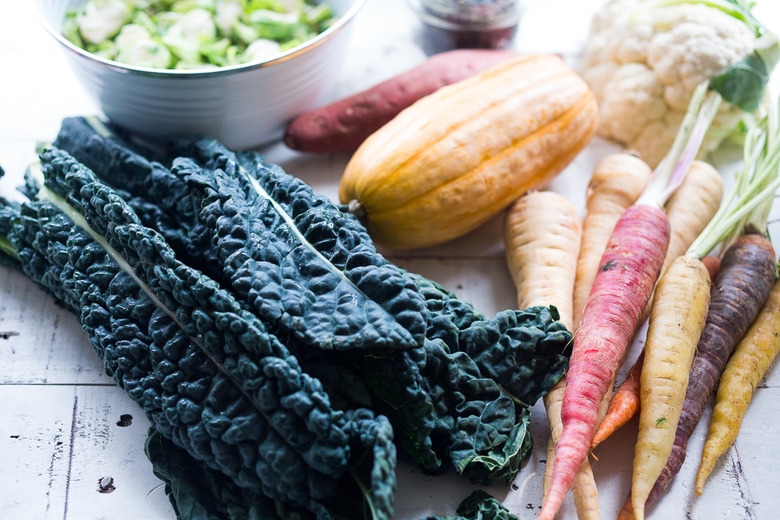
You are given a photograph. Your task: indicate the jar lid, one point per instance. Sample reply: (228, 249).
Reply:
(470, 13)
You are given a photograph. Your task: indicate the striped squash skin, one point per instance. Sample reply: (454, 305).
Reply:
(457, 157)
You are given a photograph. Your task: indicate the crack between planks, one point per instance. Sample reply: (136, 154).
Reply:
(748, 506)
(71, 451)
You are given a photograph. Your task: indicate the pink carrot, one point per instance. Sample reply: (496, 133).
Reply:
(629, 268)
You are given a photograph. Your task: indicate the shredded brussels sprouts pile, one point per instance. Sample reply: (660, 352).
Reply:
(194, 34)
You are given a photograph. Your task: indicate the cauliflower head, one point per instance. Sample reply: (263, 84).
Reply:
(643, 65)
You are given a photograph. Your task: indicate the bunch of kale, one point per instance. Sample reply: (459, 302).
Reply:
(265, 337)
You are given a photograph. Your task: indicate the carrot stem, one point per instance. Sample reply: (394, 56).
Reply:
(755, 184)
(668, 176)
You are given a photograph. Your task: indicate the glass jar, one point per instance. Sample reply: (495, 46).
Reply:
(473, 24)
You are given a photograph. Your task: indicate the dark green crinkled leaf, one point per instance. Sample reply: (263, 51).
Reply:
(307, 269)
(7, 211)
(205, 371)
(205, 235)
(197, 492)
(396, 384)
(479, 506)
(525, 351)
(457, 400)
(487, 431)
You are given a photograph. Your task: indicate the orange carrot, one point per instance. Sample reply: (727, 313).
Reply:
(712, 263)
(623, 405)
(542, 234)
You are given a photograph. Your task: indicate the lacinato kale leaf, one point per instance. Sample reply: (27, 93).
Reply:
(459, 398)
(307, 269)
(205, 371)
(197, 492)
(7, 209)
(479, 505)
(253, 245)
(520, 353)
(524, 350)
(483, 433)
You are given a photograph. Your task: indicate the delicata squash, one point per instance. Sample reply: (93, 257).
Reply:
(455, 158)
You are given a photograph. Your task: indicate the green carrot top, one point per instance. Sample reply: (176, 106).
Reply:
(750, 201)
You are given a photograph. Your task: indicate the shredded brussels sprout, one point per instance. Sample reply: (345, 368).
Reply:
(194, 34)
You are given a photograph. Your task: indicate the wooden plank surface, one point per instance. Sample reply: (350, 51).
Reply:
(59, 435)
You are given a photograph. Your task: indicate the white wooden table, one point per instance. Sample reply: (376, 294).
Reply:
(59, 414)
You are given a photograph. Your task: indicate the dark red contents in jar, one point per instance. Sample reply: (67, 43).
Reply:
(458, 24)
(438, 39)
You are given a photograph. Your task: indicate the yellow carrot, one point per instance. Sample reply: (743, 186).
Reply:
(617, 182)
(692, 207)
(542, 234)
(676, 321)
(747, 366)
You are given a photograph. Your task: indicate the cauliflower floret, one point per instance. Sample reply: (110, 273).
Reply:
(631, 89)
(643, 69)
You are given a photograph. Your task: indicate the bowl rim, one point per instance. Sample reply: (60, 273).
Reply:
(210, 72)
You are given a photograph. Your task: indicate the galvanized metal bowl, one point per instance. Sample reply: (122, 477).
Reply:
(243, 106)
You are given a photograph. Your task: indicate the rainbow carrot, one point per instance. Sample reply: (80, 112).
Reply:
(617, 182)
(621, 289)
(747, 366)
(623, 405)
(690, 209)
(744, 279)
(676, 321)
